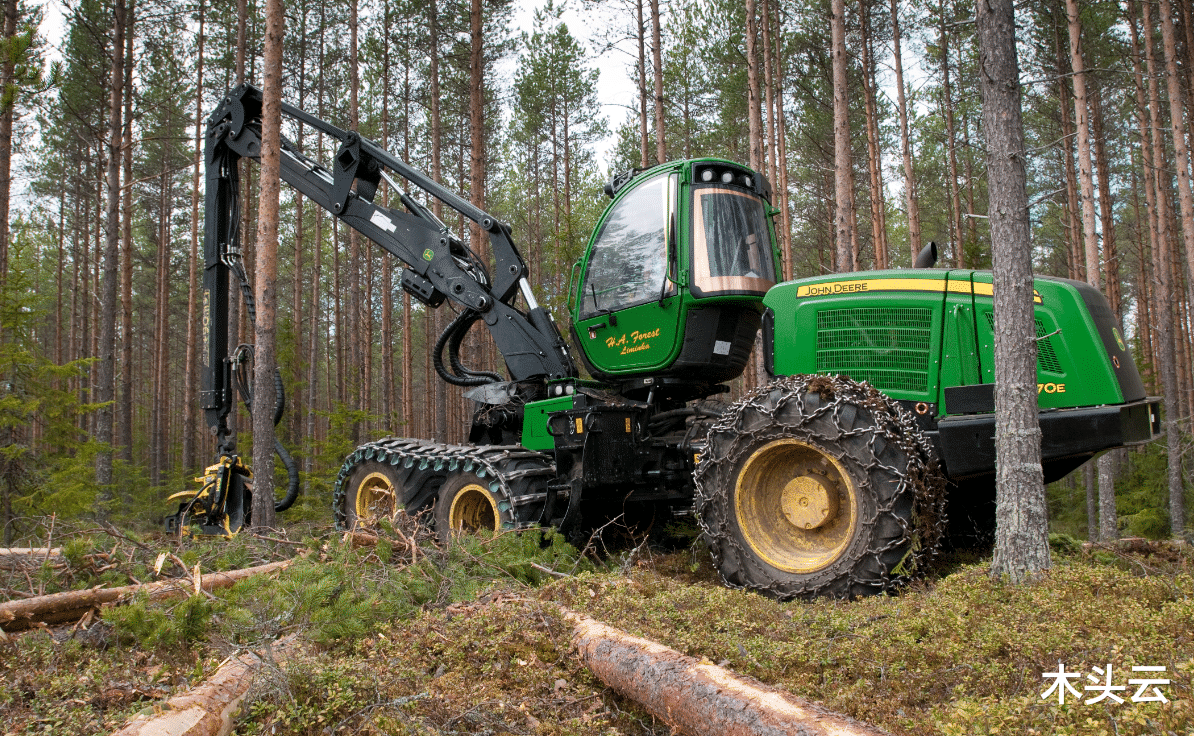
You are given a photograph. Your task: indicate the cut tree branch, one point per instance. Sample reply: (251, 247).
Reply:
(72, 604)
(699, 698)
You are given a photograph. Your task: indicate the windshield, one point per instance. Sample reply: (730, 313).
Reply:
(628, 262)
(731, 242)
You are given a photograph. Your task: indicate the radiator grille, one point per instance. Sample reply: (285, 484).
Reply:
(1046, 356)
(887, 348)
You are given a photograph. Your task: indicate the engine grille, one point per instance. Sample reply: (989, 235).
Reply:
(1046, 356)
(886, 347)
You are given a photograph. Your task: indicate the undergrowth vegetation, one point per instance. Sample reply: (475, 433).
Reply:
(404, 636)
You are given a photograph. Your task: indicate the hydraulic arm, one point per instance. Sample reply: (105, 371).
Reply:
(438, 266)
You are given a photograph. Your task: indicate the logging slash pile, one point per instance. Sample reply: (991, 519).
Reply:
(384, 631)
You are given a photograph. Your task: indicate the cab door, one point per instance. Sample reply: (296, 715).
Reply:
(626, 319)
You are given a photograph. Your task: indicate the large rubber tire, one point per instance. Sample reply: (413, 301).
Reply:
(374, 491)
(467, 505)
(816, 485)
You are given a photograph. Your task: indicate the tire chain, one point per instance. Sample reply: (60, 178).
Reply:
(514, 472)
(893, 424)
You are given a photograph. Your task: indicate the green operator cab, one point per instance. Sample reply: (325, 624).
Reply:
(673, 279)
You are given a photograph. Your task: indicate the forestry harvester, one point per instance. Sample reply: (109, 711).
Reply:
(832, 478)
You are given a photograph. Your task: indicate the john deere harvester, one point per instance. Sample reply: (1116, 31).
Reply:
(874, 425)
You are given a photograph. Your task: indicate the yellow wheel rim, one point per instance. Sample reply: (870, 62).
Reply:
(796, 506)
(376, 497)
(473, 509)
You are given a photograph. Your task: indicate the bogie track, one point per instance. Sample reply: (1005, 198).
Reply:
(516, 478)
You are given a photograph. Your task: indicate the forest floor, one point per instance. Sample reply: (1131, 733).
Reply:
(405, 637)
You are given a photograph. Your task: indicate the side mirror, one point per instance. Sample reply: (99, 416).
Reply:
(927, 257)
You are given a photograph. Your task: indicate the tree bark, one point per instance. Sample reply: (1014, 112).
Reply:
(947, 108)
(874, 161)
(124, 419)
(657, 60)
(910, 196)
(640, 32)
(1021, 533)
(696, 698)
(1105, 480)
(210, 708)
(847, 248)
(1082, 123)
(1165, 291)
(190, 371)
(354, 374)
(8, 104)
(105, 391)
(771, 148)
(72, 604)
(389, 410)
(1109, 462)
(754, 118)
(782, 166)
(265, 352)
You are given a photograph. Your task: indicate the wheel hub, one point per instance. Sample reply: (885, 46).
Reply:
(796, 506)
(375, 497)
(809, 501)
(473, 509)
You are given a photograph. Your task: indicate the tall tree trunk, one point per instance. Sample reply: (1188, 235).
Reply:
(388, 408)
(356, 332)
(316, 277)
(782, 134)
(947, 107)
(657, 59)
(1106, 206)
(910, 196)
(1109, 463)
(161, 324)
(847, 249)
(1082, 123)
(874, 162)
(265, 355)
(476, 176)
(1177, 505)
(1107, 515)
(234, 287)
(300, 394)
(1021, 536)
(752, 97)
(191, 370)
(1162, 258)
(8, 102)
(59, 343)
(641, 31)
(106, 373)
(769, 122)
(124, 419)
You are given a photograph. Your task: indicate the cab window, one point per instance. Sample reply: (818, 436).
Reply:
(628, 262)
(731, 242)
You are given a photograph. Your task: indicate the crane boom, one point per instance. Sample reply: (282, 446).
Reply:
(438, 266)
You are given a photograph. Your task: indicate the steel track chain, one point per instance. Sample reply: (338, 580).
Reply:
(513, 472)
(892, 424)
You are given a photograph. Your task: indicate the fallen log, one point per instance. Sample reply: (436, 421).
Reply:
(698, 698)
(30, 558)
(72, 604)
(210, 708)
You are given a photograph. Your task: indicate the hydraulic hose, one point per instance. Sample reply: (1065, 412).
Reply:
(452, 337)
